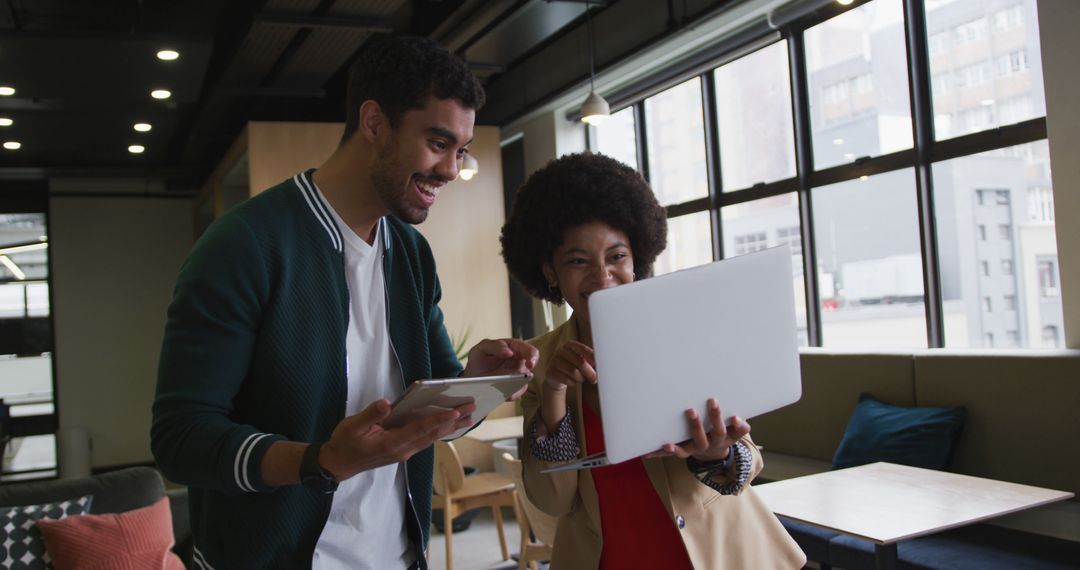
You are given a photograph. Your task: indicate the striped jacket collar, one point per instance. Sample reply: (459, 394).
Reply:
(320, 209)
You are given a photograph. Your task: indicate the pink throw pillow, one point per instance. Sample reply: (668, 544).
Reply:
(135, 540)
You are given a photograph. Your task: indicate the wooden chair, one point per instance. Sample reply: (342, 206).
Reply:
(533, 522)
(455, 493)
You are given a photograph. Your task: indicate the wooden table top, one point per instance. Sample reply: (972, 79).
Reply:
(498, 428)
(887, 503)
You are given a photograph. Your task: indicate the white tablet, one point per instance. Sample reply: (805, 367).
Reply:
(426, 397)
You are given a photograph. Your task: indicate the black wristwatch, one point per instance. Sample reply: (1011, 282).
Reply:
(312, 474)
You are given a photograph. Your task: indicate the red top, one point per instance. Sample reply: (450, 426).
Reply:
(637, 531)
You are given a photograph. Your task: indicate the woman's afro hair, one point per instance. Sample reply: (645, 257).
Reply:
(570, 191)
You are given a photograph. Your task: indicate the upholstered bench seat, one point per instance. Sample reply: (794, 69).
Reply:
(976, 547)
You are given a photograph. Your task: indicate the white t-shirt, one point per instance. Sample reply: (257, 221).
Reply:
(366, 527)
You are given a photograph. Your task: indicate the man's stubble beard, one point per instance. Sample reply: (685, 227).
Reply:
(386, 179)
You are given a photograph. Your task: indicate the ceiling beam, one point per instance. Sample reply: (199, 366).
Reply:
(331, 22)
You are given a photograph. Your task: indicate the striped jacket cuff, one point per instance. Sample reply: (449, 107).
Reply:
(247, 462)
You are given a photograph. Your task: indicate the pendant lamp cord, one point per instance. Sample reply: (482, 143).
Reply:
(588, 30)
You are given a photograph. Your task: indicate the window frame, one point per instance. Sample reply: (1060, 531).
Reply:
(926, 151)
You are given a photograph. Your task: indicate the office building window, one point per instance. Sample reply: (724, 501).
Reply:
(746, 226)
(1050, 337)
(689, 243)
(618, 139)
(858, 84)
(963, 260)
(1009, 18)
(850, 109)
(26, 344)
(1048, 277)
(867, 240)
(753, 109)
(749, 243)
(676, 142)
(993, 79)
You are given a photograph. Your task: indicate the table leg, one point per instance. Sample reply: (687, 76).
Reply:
(886, 557)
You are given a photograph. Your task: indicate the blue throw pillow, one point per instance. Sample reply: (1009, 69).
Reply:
(919, 437)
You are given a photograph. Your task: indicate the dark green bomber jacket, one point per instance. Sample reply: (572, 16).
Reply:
(254, 352)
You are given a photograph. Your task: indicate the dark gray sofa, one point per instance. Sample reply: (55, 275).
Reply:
(114, 492)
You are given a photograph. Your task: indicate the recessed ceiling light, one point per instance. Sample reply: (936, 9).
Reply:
(838, 141)
(6, 91)
(844, 2)
(6, 122)
(864, 178)
(168, 54)
(136, 149)
(143, 127)
(12, 145)
(161, 93)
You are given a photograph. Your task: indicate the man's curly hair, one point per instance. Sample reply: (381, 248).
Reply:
(401, 72)
(570, 191)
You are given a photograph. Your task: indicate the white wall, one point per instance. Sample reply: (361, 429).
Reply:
(1060, 44)
(114, 265)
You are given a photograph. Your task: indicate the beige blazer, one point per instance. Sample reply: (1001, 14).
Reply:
(719, 531)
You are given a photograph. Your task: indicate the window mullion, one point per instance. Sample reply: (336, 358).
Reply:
(642, 142)
(922, 121)
(712, 160)
(804, 162)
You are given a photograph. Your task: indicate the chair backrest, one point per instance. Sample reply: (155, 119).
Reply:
(449, 473)
(542, 524)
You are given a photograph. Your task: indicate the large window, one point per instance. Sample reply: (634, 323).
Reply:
(26, 369)
(618, 139)
(753, 110)
(986, 72)
(675, 135)
(858, 84)
(813, 142)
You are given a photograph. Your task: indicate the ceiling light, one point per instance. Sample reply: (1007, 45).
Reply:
(6, 122)
(168, 55)
(143, 127)
(844, 2)
(987, 102)
(849, 156)
(864, 178)
(469, 167)
(6, 91)
(595, 108)
(12, 145)
(161, 93)
(136, 149)
(12, 267)
(838, 141)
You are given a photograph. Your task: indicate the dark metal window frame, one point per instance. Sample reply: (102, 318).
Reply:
(32, 198)
(921, 157)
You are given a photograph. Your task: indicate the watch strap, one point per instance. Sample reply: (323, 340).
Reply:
(312, 474)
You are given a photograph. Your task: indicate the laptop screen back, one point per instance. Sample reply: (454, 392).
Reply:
(723, 330)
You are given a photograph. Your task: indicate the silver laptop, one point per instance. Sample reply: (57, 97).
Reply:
(724, 330)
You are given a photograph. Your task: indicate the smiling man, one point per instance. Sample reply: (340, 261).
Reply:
(301, 314)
